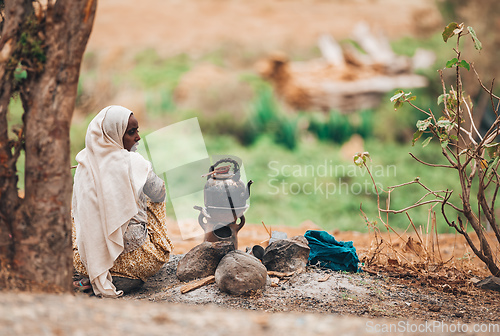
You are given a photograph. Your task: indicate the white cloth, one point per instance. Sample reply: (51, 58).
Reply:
(107, 185)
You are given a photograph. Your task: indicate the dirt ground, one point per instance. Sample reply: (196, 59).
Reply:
(22, 314)
(323, 291)
(314, 302)
(448, 296)
(194, 27)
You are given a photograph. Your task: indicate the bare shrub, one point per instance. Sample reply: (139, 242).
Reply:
(473, 156)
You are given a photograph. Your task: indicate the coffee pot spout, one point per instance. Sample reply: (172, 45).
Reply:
(248, 189)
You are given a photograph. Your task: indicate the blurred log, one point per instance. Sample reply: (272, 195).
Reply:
(379, 49)
(344, 79)
(331, 50)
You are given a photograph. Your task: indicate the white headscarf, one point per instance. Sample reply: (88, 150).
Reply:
(107, 184)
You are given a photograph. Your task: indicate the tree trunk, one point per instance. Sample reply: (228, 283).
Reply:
(35, 232)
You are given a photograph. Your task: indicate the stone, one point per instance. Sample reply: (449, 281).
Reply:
(257, 251)
(434, 308)
(202, 260)
(240, 272)
(491, 283)
(127, 285)
(277, 235)
(287, 255)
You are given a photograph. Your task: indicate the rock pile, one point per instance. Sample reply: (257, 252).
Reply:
(237, 272)
(202, 260)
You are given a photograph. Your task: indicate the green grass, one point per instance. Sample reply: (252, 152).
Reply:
(14, 119)
(151, 71)
(314, 183)
(286, 154)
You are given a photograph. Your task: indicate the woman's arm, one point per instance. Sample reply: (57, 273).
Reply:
(154, 187)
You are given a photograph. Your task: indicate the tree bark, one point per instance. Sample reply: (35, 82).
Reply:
(15, 13)
(35, 242)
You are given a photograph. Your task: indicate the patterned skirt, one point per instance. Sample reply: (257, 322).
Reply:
(147, 259)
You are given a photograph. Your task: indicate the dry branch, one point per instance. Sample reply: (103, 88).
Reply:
(280, 274)
(195, 284)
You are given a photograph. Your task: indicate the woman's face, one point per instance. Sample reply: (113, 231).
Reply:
(131, 135)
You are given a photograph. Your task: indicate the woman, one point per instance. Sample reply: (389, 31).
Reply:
(119, 232)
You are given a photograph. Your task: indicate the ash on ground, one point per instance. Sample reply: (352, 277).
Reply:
(321, 290)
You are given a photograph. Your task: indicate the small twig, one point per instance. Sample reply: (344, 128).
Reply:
(491, 98)
(431, 164)
(427, 194)
(419, 203)
(435, 192)
(445, 95)
(403, 184)
(473, 125)
(455, 155)
(327, 276)
(481, 83)
(414, 228)
(280, 274)
(412, 206)
(437, 240)
(469, 134)
(403, 256)
(388, 205)
(195, 284)
(269, 231)
(495, 193)
(430, 114)
(490, 135)
(496, 109)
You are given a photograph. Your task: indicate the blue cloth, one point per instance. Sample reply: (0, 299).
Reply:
(330, 253)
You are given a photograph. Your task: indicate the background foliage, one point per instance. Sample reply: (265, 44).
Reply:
(243, 117)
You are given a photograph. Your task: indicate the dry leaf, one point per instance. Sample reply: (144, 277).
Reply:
(414, 246)
(394, 262)
(327, 276)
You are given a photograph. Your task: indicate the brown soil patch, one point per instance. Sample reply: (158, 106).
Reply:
(452, 247)
(443, 292)
(323, 291)
(172, 27)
